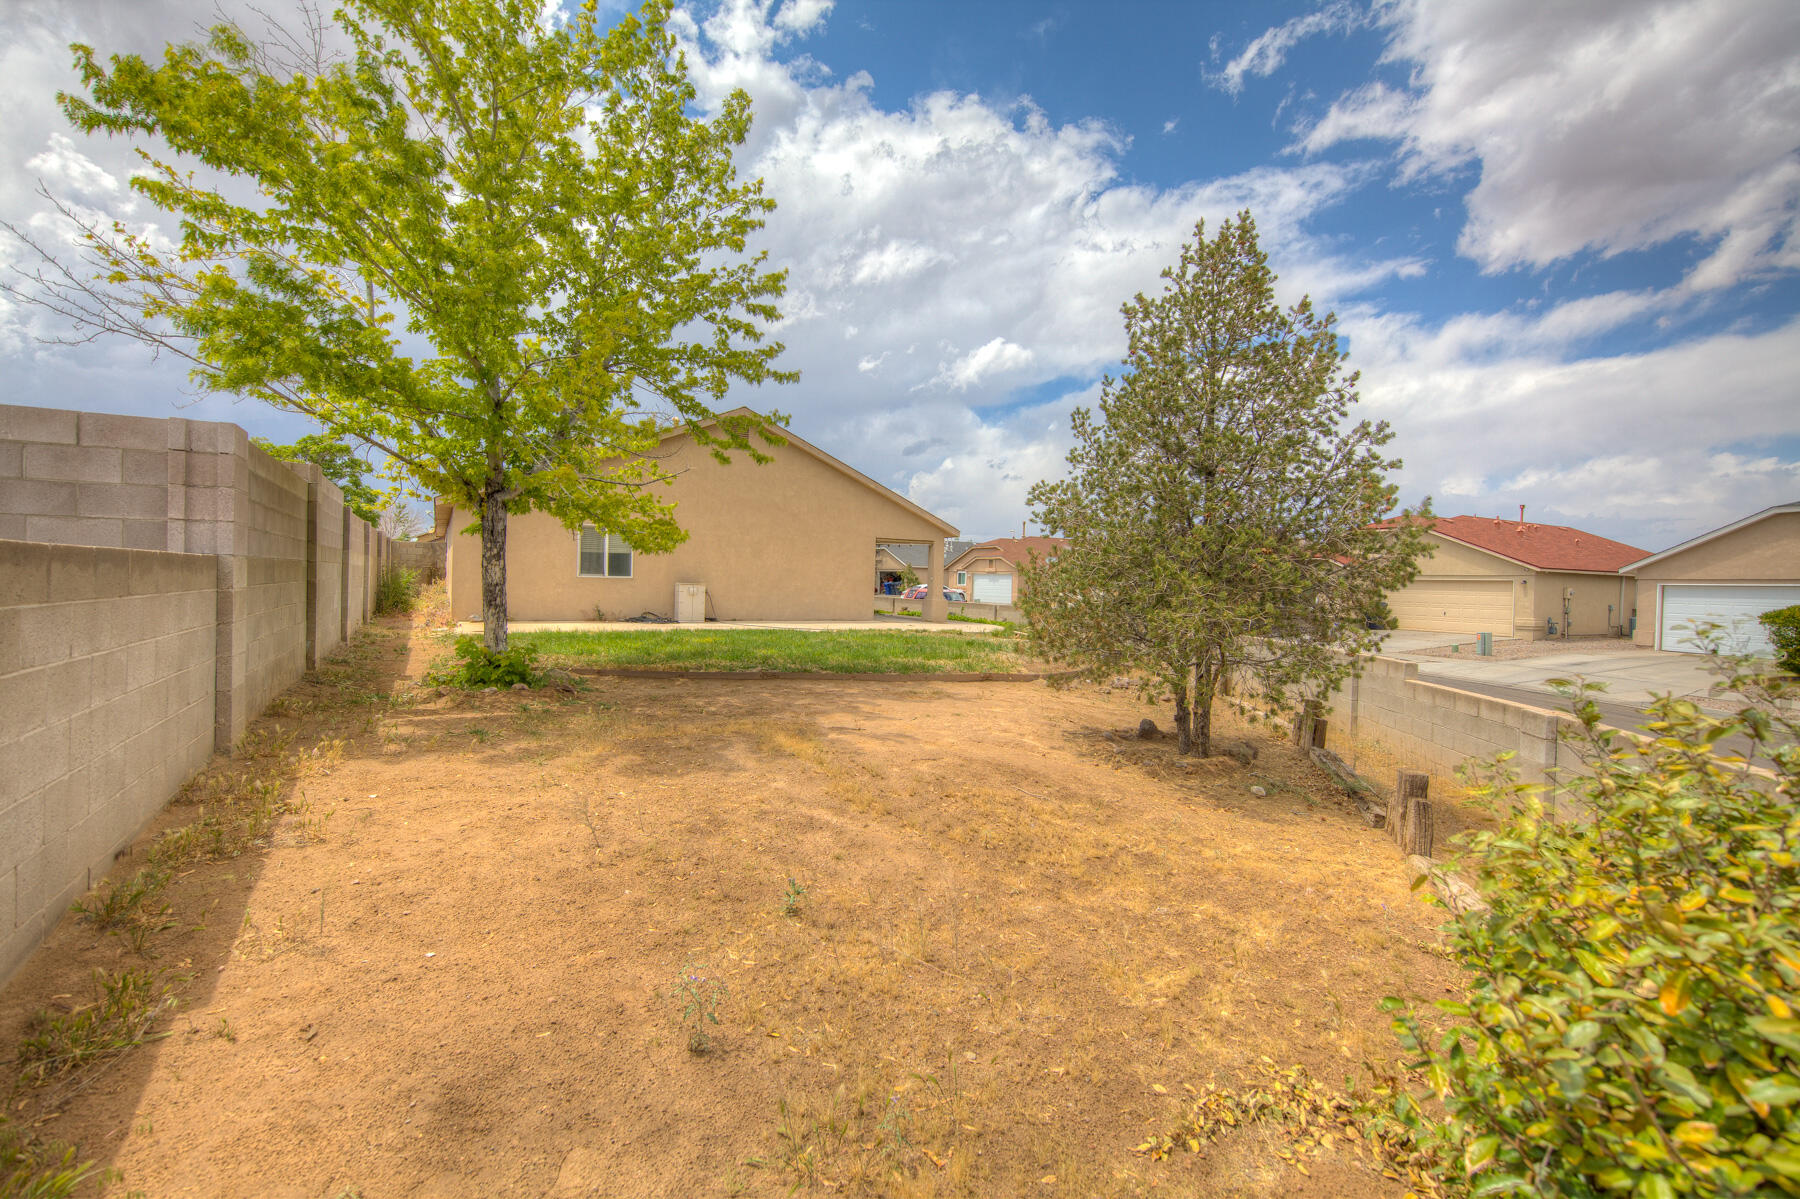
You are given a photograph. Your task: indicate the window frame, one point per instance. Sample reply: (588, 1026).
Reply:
(606, 554)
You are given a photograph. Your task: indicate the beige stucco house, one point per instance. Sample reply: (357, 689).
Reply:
(789, 540)
(1726, 578)
(1514, 578)
(988, 570)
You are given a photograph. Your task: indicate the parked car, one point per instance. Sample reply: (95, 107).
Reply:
(950, 593)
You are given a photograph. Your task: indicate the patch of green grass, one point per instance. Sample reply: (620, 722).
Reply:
(31, 1169)
(124, 1006)
(1007, 627)
(789, 650)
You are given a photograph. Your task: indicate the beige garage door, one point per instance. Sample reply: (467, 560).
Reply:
(1440, 606)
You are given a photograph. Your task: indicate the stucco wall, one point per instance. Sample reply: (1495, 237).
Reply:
(1588, 613)
(789, 540)
(1767, 551)
(106, 708)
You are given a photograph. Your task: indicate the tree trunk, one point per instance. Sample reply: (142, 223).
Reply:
(1184, 734)
(493, 573)
(1206, 685)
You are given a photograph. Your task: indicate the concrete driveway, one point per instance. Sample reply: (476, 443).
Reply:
(1630, 678)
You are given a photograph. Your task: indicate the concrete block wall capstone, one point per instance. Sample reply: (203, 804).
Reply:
(161, 580)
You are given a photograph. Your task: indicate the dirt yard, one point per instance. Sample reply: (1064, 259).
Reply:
(1010, 949)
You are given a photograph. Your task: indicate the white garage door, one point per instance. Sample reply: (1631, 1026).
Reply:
(1446, 606)
(992, 589)
(1733, 609)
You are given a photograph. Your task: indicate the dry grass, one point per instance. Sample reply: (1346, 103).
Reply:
(1022, 948)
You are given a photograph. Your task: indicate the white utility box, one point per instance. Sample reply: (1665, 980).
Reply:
(690, 603)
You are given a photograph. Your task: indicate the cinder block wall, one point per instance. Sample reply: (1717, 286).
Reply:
(106, 709)
(160, 582)
(1443, 727)
(276, 529)
(426, 557)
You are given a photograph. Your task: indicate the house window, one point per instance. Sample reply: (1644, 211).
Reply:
(603, 555)
(962, 578)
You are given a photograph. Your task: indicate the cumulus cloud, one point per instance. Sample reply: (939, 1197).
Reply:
(1608, 126)
(995, 358)
(1498, 410)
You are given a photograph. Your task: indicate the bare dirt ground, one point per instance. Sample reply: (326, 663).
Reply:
(452, 968)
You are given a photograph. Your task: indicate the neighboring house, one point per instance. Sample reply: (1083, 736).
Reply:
(893, 562)
(1726, 577)
(1515, 578)
(988, 570)
(744, 524)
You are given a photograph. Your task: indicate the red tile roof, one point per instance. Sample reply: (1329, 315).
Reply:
(1542, 547)
(1017, 549)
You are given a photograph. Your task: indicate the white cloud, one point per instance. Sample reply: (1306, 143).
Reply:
(802, 16)
(997, 357)
(1170, 124)
(1269, 50)
(1610, 125)
(1496, 411)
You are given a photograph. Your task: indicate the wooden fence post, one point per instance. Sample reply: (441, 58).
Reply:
(1410, 820)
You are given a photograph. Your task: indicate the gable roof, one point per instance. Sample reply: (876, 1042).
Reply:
(955, 548)
(1733, 527)
(444, 508)
(844, 468)
(1541, 547)
(910, 553)
(1016, 550)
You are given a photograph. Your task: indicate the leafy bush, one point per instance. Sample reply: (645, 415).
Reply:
(1784, 630)
(478, 666)
(396, 590)
(1630, 1029)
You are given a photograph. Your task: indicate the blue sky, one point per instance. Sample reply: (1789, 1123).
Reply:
(1562, 240)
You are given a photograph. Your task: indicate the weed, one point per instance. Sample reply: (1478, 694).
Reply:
(30, 1169)
(129, 908)
(700, 996)
(396, 590)
(225, 1032)
(126, 1004)
(481, 667)
(894, 1122)
(792, 897)
(480, 734)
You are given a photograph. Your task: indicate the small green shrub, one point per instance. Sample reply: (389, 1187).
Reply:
(1630, 1028)
(396, 590)
(477, 666)
(1784, 630)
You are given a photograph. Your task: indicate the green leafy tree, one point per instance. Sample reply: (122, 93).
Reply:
(340, 464)
(1222, 514)
(502, 251)
(1631, 1023)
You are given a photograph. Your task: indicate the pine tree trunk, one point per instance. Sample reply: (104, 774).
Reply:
(493, 573)
(1184, 733)
(1206, 685)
